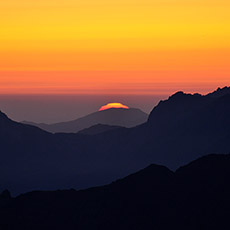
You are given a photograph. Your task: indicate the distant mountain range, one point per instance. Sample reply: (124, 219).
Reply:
(114, 117)
(178, 130)
(196, 196)
(98, 129)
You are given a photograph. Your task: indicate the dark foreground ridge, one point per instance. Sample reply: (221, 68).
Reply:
(196, 196)
(179, 130)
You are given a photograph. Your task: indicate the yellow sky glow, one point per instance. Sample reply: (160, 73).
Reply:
(168, 41)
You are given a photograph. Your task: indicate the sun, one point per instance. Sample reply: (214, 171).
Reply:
(113, 105)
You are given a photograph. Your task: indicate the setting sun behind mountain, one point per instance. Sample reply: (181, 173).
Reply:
(113, 105)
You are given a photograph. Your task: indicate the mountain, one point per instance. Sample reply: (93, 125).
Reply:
(196, 196)
(189, 124)
(179, 130)
(220, 92)
(114, 117)
(99, 128)
(12, 129)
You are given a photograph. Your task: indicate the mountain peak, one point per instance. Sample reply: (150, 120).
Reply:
(175, 107)
(113, 117)
(180, 95)
(220, 92)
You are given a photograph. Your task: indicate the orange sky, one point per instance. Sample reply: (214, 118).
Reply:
(116, 46)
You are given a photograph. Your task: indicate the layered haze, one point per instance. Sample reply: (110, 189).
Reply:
(57, 108)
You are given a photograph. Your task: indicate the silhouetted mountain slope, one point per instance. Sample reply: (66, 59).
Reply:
(190, 123)
(195, 197)
(178, 130)
(220, 92)
(99, 128)
(14, 133)
(114, 117)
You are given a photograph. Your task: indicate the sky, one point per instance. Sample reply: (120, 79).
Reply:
(116, 47)
(55, 108)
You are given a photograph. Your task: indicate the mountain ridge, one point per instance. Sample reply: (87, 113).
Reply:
(99, 128)
(176, 133)
(114, 117)
(196, 196)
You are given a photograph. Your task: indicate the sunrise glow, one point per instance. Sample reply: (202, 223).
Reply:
(113, 106)
(116, 46)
